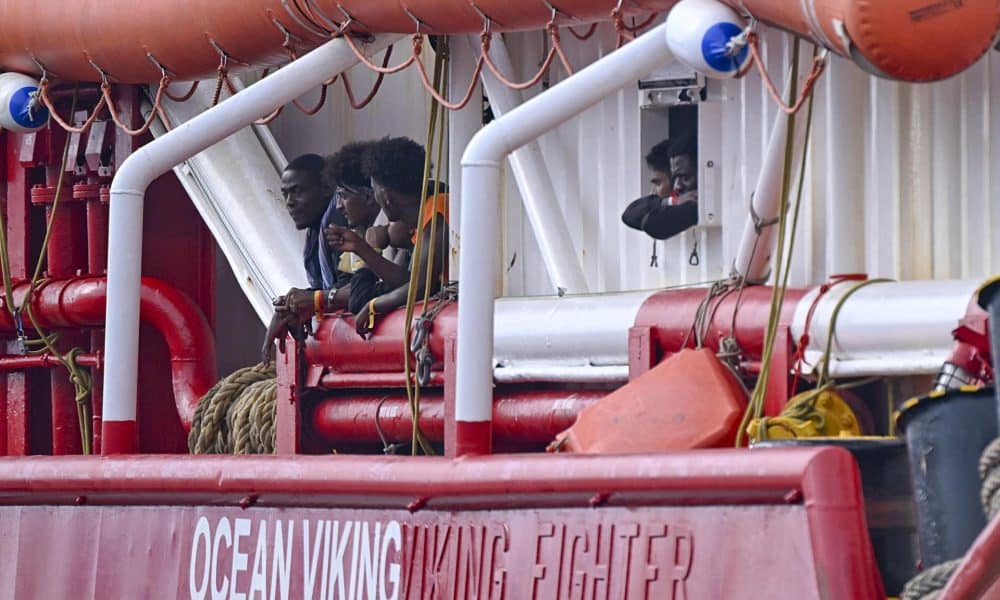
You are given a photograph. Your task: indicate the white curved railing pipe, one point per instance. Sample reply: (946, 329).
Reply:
(121, 346)
(480, 218)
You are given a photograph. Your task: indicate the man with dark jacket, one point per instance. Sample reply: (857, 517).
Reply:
(673, 205)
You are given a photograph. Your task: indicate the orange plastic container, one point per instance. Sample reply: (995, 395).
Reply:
(690, 400)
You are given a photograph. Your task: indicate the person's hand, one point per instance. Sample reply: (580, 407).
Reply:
(688, 196)
(300, 303)
(377, 237)
(343, 239)
(400, 235)
(361, 321)
(276, 330)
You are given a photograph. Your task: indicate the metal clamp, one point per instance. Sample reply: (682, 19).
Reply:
(165, 73)
(416, 20)
(224, 56)
(315, 11)
(22, 339)
(308, 27)
(348, 19)
(488, 21)
(44, 71)
(104, 74)
(289, 36)
(758, 223)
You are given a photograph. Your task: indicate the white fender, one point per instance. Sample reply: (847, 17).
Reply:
(19, 109)
(700, 32)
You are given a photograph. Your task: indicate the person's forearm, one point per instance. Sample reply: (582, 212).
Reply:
(668, 221)
(390, 301)
(392, 274)
(336, 299)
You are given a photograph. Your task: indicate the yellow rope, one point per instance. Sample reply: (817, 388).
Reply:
(413, 391)
(755, 408)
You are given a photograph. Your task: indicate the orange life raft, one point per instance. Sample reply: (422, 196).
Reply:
(914, 40)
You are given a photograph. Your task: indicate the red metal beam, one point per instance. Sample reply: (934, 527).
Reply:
(823, 477)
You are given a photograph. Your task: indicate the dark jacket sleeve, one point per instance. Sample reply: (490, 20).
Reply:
(636, 212)
(667, 221)
(661, 222)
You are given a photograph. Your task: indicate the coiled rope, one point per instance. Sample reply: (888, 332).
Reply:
(929, 584)
(237, 415)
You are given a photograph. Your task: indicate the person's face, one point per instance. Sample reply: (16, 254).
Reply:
(662, 184)
(384, 198)
(684, 173)
(358, 208)
(306, 198)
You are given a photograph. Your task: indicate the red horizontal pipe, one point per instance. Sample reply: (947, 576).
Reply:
(44, 361)
(332, 380)
(525, 416)
(671, 314)
(338, 347)
(347, 360)
(81, 303)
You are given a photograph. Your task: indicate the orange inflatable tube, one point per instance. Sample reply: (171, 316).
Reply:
(911, 40)
(914, 40)
(78, 39)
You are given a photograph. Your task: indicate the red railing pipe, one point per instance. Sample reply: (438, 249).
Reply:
(80, 302)
(338, 347)
(44, 361)
(670, 316)
(534, 416)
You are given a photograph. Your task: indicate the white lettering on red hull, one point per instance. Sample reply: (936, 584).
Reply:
(246, 559)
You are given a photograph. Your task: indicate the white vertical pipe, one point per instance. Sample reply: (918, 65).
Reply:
(845, 89)
(533, 182)
(462, 125)
(481, 210)
(121, 347)
(753, 260)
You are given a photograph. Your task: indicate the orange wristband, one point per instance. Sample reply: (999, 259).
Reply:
(371, 314)
(318, 304)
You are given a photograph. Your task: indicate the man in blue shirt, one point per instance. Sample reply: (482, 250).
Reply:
(311, 206)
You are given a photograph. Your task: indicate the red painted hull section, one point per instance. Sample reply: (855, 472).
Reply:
(684, 525)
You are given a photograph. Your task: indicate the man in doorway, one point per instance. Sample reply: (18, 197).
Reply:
(673, 205)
